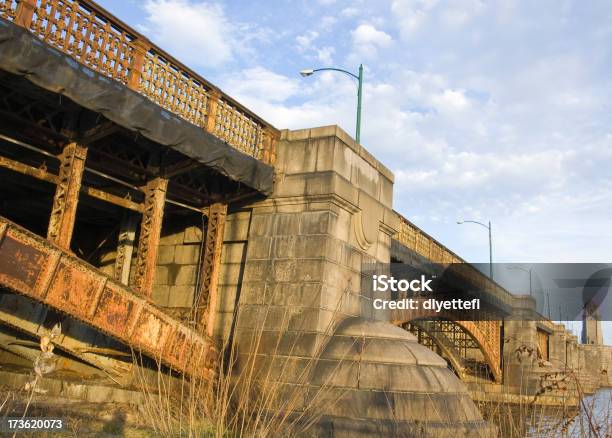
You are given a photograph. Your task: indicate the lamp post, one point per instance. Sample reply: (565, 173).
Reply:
(359, 77)
(488, 227)
(527, 271)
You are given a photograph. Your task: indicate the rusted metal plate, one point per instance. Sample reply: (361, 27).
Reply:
(175, 349)
(114, 311)
(74, 288)
(32, 266)
(151, 331)
(33, 318)
(25, 264)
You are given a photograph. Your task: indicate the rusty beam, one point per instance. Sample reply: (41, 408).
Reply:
(125, 247)
(33, 267)
(206, 302)
(112, 199)
(180, 167)
(98, 132)
(150, 232)
(44, 175)
(24, 169)
(30, 317)
(63, 212)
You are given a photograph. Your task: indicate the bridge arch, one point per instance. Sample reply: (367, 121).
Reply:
(426, 336)
(485, 334)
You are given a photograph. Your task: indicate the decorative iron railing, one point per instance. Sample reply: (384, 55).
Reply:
(94, 37)
(423, 244)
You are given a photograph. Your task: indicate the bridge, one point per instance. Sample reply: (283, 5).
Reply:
(145, 209)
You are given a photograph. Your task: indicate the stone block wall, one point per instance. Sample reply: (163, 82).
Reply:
(178, 261)
(177, 264)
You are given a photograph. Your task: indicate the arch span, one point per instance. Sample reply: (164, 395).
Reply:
(444, 345)
(486, 335)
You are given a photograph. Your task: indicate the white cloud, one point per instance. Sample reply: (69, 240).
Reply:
(196, 33)
(324, 55)
(259, 83)
(367, 40)
(450, 100)
(368, 34)
(349, 12)
(327, 22)
(411, 14)
(460, 12)
(304, 41)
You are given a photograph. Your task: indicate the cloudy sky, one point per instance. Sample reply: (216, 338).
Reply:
(486, 110)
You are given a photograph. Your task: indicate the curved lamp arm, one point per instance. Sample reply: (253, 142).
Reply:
(337, 69)
(474, 222)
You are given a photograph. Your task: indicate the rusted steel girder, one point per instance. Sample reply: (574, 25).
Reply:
(30, 317)
(150, 232)
(209, 270)
(44, 175)
(63, 212)
(32, 266)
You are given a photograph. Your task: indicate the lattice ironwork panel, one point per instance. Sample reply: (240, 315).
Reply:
(85, 35)
(171, 89)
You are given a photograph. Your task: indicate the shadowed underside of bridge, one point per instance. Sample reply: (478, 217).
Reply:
(105, 153)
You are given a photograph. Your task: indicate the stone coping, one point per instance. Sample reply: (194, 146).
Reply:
(336, 131)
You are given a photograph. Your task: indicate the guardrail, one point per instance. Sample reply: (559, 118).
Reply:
(423, 244)
(102, 42)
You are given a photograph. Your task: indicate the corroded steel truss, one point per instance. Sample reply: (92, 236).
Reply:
(150, 230)
(453, 338)
(486, 331)
(33, 267)
(486, 335)
(73, 158)
(63, 212)
(206, 298)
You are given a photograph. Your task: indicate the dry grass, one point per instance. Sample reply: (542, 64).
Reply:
(254, 394)
(591, 418)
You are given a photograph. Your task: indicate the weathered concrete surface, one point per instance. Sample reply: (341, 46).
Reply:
(329, 214)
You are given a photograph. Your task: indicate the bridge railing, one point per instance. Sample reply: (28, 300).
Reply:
(423, 244)
(94, 37)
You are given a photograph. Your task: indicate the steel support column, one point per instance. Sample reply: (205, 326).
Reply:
(125, 247)
(150, 231)
(63, 212)
(211, 263)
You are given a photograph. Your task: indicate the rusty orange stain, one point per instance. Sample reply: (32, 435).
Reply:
(34, 267)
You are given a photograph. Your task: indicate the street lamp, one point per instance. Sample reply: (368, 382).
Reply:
(359, 77)
(518, 268)
(488, 227)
